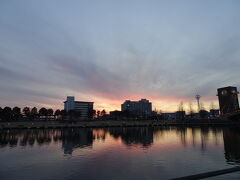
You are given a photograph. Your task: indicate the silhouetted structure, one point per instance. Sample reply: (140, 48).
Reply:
(228, 100)
(76, 138)
(168, 116)
(134, 135)
(140, 108)
(198, 101)
(203, 114)
(214, 113)
(85, 108)
(115, 114)
(180, 115)
(71, 139)
(231, 137)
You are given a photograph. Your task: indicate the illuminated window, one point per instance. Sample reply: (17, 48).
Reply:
(224, 92)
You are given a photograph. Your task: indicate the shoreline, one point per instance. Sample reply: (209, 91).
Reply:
(106, 124)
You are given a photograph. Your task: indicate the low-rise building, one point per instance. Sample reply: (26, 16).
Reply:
(203, 114)
(115, 114)
(180, 115)
(168, 116)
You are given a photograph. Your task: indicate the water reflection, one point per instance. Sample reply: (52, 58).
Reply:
(231, 138)
(75, 138)
(133, 135)
(72, 139)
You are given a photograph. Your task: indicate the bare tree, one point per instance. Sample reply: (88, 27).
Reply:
(212, 105)
(160, 111)
(98, 113)
(181, 106)
(155, 111)
(191, 111)
(190, 108)
(103, 112)
(93, 113)
(202, 106)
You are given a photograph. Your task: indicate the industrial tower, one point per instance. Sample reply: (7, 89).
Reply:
(198, 101)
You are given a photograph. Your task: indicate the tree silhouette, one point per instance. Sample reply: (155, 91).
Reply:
(103, 112)
(191, 111)
(34, 112)
(50, 112)
(93, 114)
(212, 106)
(7, 114)
(1, 110)
(63, 113)
(202, 106)
(16, 113)
(26, 111)
(57, 113)
(98, 113)
(43, 112)
(181, 106)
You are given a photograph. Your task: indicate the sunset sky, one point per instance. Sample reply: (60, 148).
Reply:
(107, 51)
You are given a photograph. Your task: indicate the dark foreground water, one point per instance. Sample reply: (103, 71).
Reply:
(117, 153)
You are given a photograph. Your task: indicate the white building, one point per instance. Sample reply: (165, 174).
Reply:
(69, 104)
(85, 108)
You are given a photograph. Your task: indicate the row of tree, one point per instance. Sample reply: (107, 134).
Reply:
(8, 113)
(16, 113)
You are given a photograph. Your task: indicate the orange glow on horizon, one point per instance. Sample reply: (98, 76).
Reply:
(163, 103)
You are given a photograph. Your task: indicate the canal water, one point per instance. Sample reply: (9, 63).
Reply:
(118, 153)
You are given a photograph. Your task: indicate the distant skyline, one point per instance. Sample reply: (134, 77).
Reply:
(111, 51)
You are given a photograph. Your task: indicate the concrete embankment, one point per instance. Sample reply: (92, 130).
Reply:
(102, 124)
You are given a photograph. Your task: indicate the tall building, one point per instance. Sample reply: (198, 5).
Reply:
(85, 108)
(141, 108)
(228, 100)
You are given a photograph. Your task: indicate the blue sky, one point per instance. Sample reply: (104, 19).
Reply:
(109, 51)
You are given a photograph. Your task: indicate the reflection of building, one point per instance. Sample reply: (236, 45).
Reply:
(70, 138)
(85, 108)
(134, 135)
(76, 138)
(228, 100)
(142, 107)
(231, 137)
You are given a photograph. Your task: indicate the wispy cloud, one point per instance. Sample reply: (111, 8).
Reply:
(163, 51)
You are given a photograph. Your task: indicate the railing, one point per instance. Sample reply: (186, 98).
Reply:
(209, 174)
